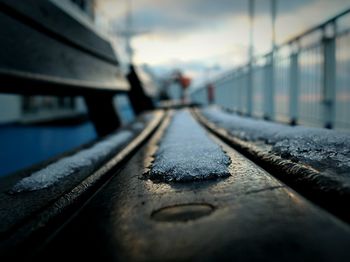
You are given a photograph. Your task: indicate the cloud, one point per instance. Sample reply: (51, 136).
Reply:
(183, 15)
(210, 31)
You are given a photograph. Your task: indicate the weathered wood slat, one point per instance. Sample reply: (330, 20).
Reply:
(28, 217)
(13, 81)
(249, 216)
(326, 188)
(28, 54)
(46, 17)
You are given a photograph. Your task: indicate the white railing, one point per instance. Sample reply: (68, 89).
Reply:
(303, 81)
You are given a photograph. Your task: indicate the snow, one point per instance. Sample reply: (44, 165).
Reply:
(321, 148)
(138, 126)
(186, 153)
(70, 165)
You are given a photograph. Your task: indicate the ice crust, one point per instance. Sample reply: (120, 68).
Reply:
(70, 165)
(186, 153)
(322, 148)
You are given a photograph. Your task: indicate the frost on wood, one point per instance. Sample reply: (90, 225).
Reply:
(186, 153)
(70, 165)
(321, 148)
(138, 126)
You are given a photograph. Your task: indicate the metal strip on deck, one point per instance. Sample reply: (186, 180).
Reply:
(248, 216)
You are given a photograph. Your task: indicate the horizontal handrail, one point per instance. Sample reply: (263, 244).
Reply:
(306, 88)
(294, 39)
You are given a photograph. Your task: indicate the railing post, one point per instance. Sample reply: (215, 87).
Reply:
(269, 88)
(294, 87)
(238, 93)
(329, 80)
(250, 89)
(211, 93)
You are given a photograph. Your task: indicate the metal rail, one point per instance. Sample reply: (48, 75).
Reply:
(305, 80)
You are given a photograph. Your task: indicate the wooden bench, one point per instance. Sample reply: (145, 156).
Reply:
(104, 201)
(46, 51)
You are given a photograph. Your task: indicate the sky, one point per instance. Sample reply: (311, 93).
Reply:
(206, 37)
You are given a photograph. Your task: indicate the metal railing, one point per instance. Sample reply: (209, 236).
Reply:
(306, 80)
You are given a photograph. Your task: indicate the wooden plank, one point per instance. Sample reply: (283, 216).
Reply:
(326, 188)
(46, 17)
(27, 217)
(30, 54)
(16, 82)
(249, 216)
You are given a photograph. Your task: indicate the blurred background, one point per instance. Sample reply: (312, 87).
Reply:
(238, 54)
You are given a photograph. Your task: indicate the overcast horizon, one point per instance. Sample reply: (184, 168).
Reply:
(196, 35)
